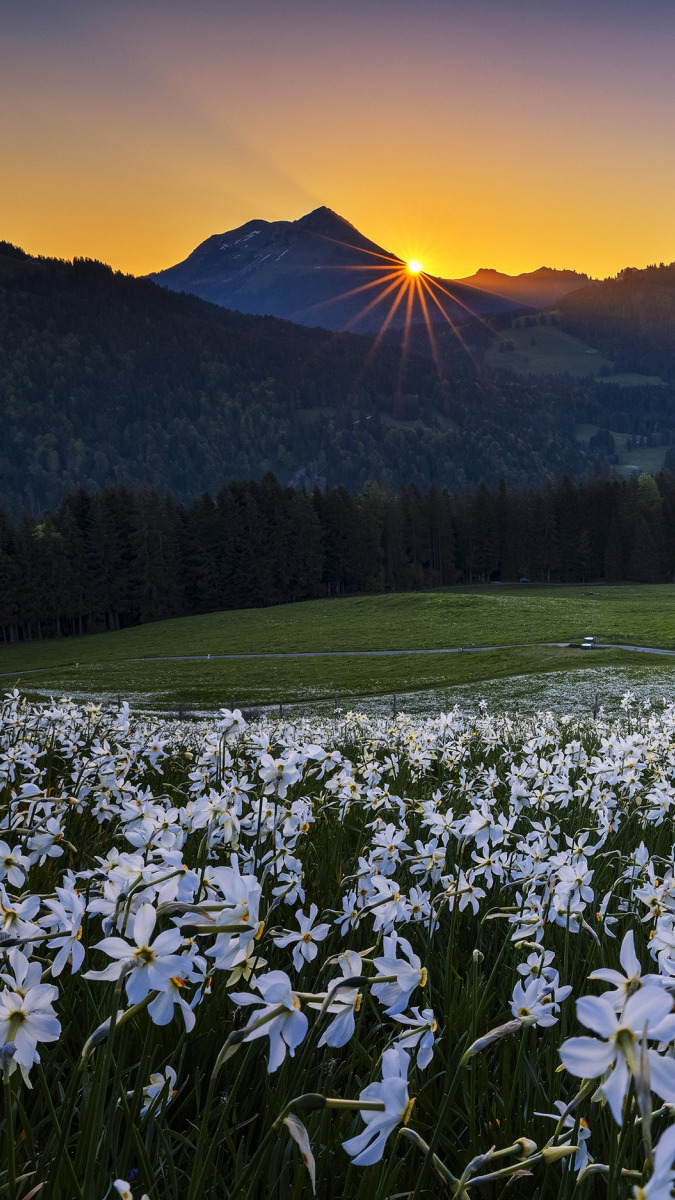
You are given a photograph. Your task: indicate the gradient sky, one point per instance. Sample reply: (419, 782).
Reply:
(463, 133)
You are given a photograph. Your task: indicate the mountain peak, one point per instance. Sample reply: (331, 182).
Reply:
(318, 270)
(323, 220)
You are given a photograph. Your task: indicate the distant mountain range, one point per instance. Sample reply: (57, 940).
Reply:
(321, 271)
(536, 289)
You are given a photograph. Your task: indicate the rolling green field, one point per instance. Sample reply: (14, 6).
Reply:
(547, 350)
(144, 664)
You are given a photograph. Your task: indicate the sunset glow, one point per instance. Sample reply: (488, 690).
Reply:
(400, 287)
(532, 133)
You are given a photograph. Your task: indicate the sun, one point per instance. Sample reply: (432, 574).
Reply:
(411, 294)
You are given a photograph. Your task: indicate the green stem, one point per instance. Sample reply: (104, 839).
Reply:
(9, 1138)
(55, 1122)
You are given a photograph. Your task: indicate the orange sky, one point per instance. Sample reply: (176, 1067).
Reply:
(463, 133)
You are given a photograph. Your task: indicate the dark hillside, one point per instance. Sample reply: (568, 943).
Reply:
(106, 380)
(630, 318)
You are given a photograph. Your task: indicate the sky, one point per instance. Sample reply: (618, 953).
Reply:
(462, 133)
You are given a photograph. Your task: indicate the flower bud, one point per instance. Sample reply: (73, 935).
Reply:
(528, 1146)
(493, 1035)
(7, 1053)
(553, 1153)
(310, 1101)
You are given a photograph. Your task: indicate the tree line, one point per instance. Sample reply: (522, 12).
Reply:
(113, 558)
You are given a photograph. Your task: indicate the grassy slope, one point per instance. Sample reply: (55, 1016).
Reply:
(547, 350)
(642, 614)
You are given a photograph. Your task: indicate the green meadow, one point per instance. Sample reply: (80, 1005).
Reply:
(144, 663)
(547, 350)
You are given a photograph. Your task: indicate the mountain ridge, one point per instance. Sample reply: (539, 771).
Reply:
(320, 271)
(539, 289)
(304, 270)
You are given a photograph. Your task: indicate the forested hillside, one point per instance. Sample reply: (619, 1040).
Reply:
(117, 558)
(109, 381)
(630, 318)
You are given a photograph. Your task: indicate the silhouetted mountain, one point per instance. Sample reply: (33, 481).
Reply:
(536, 289)
(320, 270)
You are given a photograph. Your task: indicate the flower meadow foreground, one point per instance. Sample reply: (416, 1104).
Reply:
(352, 958)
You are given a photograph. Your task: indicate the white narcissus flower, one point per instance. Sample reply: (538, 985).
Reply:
(16, 916)
(385, 902)
(123, 1188)
(463, 889)
(421, 1033)
(152, 965)
(398, 977)
(368, 1147)
(345, 1005)
(46, 842)
(646, 1013)
(162, 1007)
(231, 722)
(278, 774)
(538, 965)
(241, 903)
(578, 1128)
(626, 985)
(65, 928)
(538, 1003)
(26, 1018)
(25, 973)
(13, 865)
(162, 1084)
(279, 1019)
(305, 949)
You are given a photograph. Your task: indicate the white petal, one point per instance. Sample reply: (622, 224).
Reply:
(144, 924)
(627, 956)
(161, 1009)
(615, 1088)
(299, 1134)
(609, 976)
(586, 1057)
(649, 1006)
(664, 1151)
(115, 947)
(662, 1076)
(597, 1014)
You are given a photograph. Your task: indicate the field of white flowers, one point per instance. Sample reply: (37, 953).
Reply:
(360, 958)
